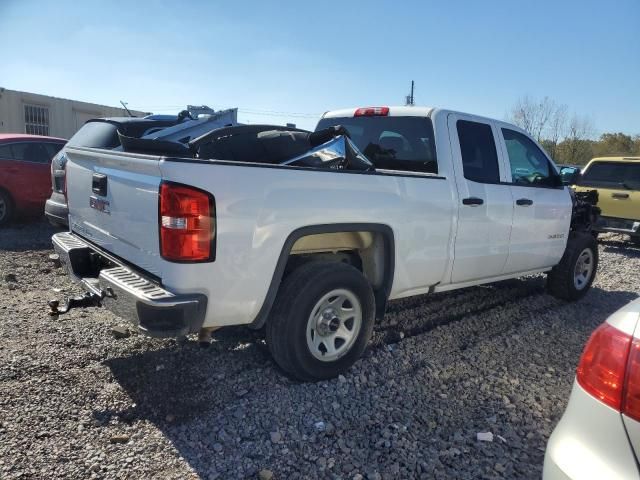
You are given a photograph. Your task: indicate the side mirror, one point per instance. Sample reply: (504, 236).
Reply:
(569, 175)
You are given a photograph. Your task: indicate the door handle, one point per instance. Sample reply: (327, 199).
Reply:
(99, 184)
(473, 201)
(620, 195)
(524, 202)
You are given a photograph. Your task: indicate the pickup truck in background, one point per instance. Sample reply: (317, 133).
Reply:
(617, 181)
(310, 234)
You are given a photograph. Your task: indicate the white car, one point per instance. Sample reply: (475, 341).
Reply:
(310, 234)
(598, 436)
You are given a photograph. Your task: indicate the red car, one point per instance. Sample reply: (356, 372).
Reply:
(25, 173)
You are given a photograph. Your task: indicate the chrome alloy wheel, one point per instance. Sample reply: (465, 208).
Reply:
(584, 269)
(333, 325)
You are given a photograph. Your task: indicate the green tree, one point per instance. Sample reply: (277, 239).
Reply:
(613, 144)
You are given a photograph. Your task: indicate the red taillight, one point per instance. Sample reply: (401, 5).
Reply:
(602, 367)
(187, 224)
(372, 112)
(631, 398)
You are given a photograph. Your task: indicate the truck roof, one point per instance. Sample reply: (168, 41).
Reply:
(404, 111)
(25, 136)
(616, 159)
(411, 111)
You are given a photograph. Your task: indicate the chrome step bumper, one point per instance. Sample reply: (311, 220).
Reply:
(129, 294)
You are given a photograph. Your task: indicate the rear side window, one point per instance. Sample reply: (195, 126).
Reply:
(96, 135)
(479, 154)
(53, 148)
(612, 174)
(5, 152)
(30, 152)
(392, 143)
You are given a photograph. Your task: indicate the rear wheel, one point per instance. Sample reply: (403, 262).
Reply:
(573, 276)
(6, 208)
(322, 320)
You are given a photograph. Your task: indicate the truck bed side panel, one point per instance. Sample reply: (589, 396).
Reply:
(258, 207)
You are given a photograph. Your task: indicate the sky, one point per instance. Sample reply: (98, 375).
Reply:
(290, 61)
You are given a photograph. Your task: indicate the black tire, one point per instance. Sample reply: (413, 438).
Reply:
(635, 239)
(287, 326)
(6, 207)
(561, 281)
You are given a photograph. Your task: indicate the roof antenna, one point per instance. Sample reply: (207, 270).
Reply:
(124, 104)
(409, 98)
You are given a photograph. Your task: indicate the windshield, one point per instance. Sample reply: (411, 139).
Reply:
(392, 143)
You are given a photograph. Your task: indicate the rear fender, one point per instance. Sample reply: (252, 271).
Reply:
(381, 293)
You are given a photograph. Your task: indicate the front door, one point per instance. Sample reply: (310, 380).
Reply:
(485, 206)
(542, 206)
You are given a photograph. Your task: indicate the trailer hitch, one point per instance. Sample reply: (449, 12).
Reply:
(89, 299)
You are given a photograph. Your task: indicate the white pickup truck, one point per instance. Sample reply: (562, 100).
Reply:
(183, 241)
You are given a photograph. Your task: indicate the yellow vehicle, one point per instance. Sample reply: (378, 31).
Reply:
(617, 180)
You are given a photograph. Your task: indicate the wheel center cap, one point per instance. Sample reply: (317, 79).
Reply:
(328, 322)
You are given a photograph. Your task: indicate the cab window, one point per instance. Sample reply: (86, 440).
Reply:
(392, 143)
(478, 149)
(529, 166)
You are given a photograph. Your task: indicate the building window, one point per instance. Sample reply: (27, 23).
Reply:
(36, 120)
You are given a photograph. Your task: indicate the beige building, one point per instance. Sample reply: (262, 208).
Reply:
(23, 112)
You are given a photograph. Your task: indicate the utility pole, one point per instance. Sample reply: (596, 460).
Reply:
(409, 98)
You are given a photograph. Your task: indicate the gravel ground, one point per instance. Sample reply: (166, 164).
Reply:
(75, 402)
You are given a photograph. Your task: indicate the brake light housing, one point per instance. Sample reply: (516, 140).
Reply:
(187, 223)
(631, 396)
(602, 367)
(609, 369)
(372, 112)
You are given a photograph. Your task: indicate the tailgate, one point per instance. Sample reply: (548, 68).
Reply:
(113, 202)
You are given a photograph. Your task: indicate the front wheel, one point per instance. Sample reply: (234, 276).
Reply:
(322, 320)
(573, 276)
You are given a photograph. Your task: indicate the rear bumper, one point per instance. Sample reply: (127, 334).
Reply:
(589, 443)
(126, 292)
(56, 209)
(618, 225)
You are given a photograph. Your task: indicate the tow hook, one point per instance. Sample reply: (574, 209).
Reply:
(89, 299)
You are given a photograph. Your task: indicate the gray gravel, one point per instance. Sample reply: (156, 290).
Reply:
(80, 401)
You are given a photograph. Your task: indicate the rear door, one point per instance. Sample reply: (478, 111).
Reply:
(542, 206)
(10, 174)
(35, 158)
(618, 185)
(486, 208)
(26, 170)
